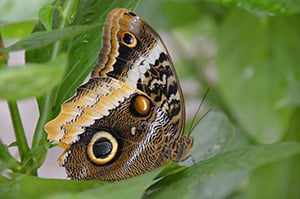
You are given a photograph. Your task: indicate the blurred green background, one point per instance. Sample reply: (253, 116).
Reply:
(245, 52)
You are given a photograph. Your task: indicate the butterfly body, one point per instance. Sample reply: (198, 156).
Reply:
(129, 117)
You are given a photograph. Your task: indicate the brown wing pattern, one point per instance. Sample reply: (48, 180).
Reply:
(144, 64)
(129, 117)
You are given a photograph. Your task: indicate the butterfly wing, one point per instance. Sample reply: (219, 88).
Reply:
(111, 131)
(128, 118)
(134, 53)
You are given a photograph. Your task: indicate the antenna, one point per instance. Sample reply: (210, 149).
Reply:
(197, 112)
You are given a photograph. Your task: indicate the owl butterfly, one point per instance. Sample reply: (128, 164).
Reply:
(129, 117)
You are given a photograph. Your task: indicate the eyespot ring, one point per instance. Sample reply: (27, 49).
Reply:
(128, 39)
(102, 148)
(140, 105)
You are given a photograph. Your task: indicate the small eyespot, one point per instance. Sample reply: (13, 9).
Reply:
(129, 39)
(132, 14)
(102, 148)
(140, 105)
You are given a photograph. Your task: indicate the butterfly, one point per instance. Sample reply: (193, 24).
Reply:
(129, 117)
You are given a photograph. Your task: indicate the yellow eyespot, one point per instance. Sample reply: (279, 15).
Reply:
(141, 105)
(102, 148)
(129, 39)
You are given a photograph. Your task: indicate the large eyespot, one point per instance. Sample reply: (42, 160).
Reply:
(129, 39)
(102, 148)
(140, 105)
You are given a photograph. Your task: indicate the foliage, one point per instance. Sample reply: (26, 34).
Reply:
(246, 52)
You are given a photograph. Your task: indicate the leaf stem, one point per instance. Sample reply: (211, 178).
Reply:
(18, 128)
(39, 134)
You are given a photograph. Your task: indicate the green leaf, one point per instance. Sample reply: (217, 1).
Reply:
(69, 10)
(219, 186)
(184, 182)
(40, 39)
(17, 30)
(258, 7)
(264, 7)
(6, 160)
(282, 178)
(276, 176)
(211, 136)
(166, 13)
(45, 16)
(190, 11)
(31, 80)
(246, 158)
(258, 66)
(19, 10)
(131, 188)
(13, 144)
(23, 186)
